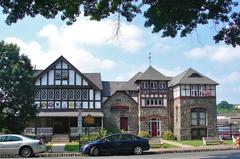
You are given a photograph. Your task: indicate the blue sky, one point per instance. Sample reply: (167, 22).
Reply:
(92, 47)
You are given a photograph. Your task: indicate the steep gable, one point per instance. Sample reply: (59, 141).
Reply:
(152, 74)
(191, 76)
(62, 72)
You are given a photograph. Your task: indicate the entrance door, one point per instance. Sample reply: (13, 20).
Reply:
(154, 129)
(124, 123)
(60, 125)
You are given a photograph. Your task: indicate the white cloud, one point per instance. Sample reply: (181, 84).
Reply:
(221, 54)
(88, 32)
(81, 58)
(232, 77)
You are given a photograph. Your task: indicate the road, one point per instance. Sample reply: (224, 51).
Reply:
(235, 154)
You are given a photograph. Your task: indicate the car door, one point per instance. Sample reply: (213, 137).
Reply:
(126, 143)
(1, 144)
(110, 144)
(11, 144)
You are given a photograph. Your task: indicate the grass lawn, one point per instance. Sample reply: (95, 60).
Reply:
(72, 147)
(197, 143)
(162, 146)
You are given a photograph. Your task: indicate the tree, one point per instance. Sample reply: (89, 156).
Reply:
(169, 17)
(224, 106)
(17, 89)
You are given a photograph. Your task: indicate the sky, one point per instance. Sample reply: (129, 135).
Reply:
(92, 46)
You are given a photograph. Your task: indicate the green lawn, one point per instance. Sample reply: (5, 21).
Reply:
(162, 146)
(197, 143)
(72, 147)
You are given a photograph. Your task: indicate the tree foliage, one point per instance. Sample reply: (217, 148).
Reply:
(169, 17)
(224, 106)
(16, 88)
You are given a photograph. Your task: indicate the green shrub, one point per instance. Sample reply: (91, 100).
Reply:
(144, 134)
(168, 135)
(101, 133)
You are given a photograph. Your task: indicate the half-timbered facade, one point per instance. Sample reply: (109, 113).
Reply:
(61, 91)
(149, 101)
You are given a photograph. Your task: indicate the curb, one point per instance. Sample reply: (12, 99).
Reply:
(191, 150)
(150, 151)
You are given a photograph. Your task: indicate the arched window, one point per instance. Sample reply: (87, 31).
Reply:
(198, 117)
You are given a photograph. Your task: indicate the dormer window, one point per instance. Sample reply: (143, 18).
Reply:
(196, 75)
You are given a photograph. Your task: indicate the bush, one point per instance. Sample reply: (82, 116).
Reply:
(101, 133)
(168, 135)
(144, 134)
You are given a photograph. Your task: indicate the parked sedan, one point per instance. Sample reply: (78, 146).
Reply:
(116, 144)
(18, 144)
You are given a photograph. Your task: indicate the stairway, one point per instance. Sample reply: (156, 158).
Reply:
(60, 138)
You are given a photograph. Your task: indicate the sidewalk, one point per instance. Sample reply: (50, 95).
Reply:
(176, 144)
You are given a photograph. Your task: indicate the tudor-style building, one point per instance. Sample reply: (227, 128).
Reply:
(193, 106)
(149, 101)
(61, 91)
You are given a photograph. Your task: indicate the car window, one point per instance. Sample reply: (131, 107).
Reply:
(113, 138)
(12, 138)
(126, 137)
(136, 138)
(2, 138)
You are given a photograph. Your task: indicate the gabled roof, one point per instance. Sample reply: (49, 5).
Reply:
(152, 74)
(91, 78)
(110, 87)
(191, 76)
(116, 93)
(130, 85)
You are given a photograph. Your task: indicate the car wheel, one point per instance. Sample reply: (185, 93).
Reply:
(26, 152)
(138, 150)
(94, 151)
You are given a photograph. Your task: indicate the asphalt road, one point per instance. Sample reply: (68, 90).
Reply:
(235, 154)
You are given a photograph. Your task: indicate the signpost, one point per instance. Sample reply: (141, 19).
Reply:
(88, 120)
(79, 126)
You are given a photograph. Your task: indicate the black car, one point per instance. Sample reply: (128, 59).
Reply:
(116, 144)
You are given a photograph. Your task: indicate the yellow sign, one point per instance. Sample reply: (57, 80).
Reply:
(89, 119)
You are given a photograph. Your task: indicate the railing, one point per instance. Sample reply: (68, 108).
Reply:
(74, 131)
(43, 131)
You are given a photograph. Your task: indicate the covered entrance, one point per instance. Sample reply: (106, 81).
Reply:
(61, 124)
(154, 127)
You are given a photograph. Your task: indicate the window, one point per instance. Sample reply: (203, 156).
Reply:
(85, 94)
(194, 90)
(57, 94)
(154, 102)
(37, 95)
(64, 94)
(200, 90)
(44, 94)
(61, 74)
(126, 137)
(153, 85)
(78, 94)
(144, 85)
(162, 85)
(12, 138)
(71, 94)
(64, 74)
(50, 94)
(2, 138)
(112, 138)
(198, 117)
(58, 74)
